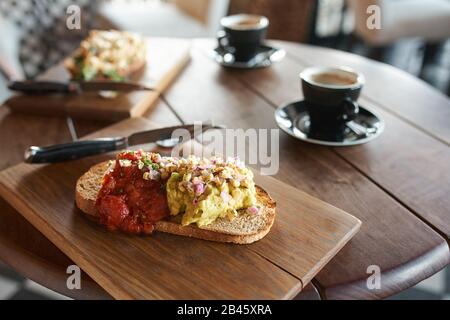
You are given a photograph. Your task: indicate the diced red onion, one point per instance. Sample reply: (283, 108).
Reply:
(154, 175)
(253, 210)
(205, 167)
(199, 188)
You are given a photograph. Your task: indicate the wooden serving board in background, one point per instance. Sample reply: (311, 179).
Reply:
(165, 60)
(307, 233)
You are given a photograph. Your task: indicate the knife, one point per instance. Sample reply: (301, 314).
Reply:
(84, 148)
(74, 87)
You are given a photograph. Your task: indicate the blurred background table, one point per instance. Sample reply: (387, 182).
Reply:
(413, 35)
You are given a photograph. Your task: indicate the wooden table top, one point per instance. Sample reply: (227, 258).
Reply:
(398, 184)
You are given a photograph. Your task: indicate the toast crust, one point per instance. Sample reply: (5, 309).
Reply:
(245, 229)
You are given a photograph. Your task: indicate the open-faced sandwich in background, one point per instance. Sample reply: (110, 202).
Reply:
(107, 55)
(210, 199)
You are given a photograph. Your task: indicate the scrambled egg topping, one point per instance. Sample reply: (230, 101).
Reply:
(107, 55)
(201, 189)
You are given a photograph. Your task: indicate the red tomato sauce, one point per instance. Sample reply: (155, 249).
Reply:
(128, 202)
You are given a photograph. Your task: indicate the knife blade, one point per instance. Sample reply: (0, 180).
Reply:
(84, 148)
(75, 87)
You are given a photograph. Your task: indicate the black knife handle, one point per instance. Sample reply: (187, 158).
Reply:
(43, 87)
(75, 150)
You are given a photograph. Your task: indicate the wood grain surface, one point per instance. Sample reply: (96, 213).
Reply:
(22, 246)
(396, 187)
(247, 100)
(18, 132)
(28, 251)
(422, 159)
(306, 235)
(166, 59)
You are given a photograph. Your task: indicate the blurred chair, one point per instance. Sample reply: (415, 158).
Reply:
(428, 20)
(172, 18)
(10, 67)
(37, 35)
(291, 20)
(208, 12)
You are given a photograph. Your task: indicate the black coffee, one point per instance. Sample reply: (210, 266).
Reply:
(331, 78)
(242, 35)
(331, 96)
(247, 24)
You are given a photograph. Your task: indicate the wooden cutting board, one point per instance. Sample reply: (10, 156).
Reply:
(307, 233)
(166, 59)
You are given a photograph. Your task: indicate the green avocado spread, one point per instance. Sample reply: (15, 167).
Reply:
(203, 203)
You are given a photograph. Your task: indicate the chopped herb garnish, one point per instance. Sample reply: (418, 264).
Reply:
(147, 162)
(78, 60)
(113, 75)
(88, 73)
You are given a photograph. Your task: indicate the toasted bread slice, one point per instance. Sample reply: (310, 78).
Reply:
(244, 229)
(110, 57)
